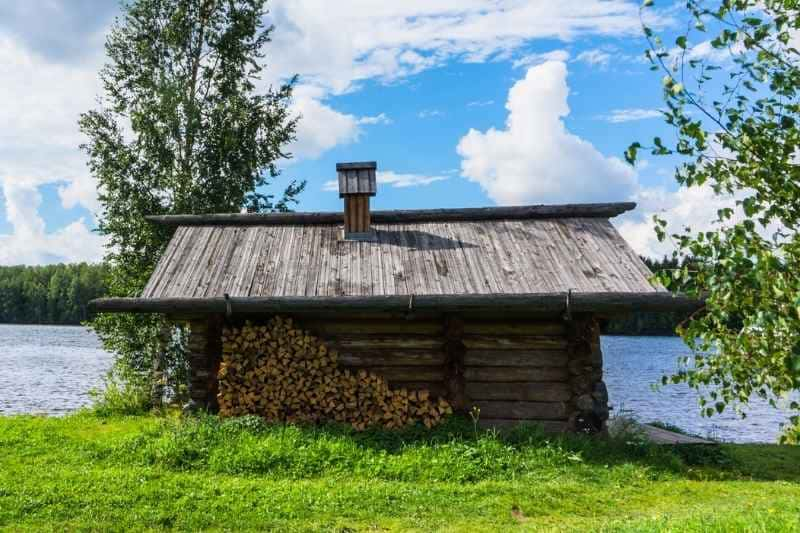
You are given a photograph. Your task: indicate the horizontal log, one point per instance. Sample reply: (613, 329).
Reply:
(598, 210)
(535, 358)
(553, 304)
(409, 373)
(436, 388)
(384, 343)
(504, 374)
(528, 392)
(501, 424)
(333, 327)
(522, 410)
(392, 358)
(557, 329)
(487, 342)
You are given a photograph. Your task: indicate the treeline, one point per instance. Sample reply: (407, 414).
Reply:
(648, 323)
(52, 294)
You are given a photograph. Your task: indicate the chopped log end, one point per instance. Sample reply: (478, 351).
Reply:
(285, 374)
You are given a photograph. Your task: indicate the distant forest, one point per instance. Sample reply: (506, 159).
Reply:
(58, 294)
(52, 294)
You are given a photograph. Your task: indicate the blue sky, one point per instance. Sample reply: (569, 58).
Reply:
(461, 103)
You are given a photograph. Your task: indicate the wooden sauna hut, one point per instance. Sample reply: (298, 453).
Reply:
(495, 308)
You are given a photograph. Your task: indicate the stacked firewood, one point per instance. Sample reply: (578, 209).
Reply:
(283, 373)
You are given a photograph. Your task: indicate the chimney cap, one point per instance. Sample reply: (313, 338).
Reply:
(359, 165)
(357, 178)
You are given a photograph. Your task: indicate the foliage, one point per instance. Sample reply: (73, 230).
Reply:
(736, 117)
(52, 294)
(85, 472)
(185, 126)
(123, 394)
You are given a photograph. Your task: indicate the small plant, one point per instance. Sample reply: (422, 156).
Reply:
(475, 415)
(125, 393)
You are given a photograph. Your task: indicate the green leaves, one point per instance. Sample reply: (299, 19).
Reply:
(184, 75)
(735, 126)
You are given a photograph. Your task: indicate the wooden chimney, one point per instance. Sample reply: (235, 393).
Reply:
(356, 184)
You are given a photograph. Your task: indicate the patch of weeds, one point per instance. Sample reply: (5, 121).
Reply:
(711, 455)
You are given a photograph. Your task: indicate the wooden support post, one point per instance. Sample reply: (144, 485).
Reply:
(589, 404)
(204, 351)
(454, 349)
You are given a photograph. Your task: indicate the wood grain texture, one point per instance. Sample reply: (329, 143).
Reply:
(522, 410)
(392, 357)
(409, 373)
(495, 342)
(508, 374)
(515, 358)
(487, 257)
(529, 392)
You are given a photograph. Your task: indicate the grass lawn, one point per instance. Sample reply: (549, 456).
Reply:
(144, 473)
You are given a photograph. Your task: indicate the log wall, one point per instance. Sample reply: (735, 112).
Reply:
(513, 371)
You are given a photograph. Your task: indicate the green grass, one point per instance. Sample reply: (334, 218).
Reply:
(149, 473)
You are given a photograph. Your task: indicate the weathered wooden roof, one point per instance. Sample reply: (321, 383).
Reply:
(514, 256)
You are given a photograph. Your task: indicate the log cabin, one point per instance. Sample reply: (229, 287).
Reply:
(495, 309)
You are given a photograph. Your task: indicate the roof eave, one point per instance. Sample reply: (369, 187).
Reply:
(601, 303)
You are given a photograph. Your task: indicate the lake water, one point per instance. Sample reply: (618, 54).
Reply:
(50, 369)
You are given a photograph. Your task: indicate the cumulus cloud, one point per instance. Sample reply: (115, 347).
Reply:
(618, 116)
(391, 40)
(534, 159)
(30, 243)
(50, 53)
(393, 179)
(688, 207)
(64, 31)
(43, 96)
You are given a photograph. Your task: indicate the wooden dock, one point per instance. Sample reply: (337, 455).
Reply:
(662, 436)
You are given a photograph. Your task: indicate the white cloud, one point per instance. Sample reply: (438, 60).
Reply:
(30, 243)
(531, 60)
(49, 79)
(688, 207)
(320, 127)
(617, 116)
(338, 48)
(429, 113)
(41, 101)
(376, 119)
(393, 179)
(535, 159)
(594, 58)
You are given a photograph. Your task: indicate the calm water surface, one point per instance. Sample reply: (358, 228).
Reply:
(49, 369)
